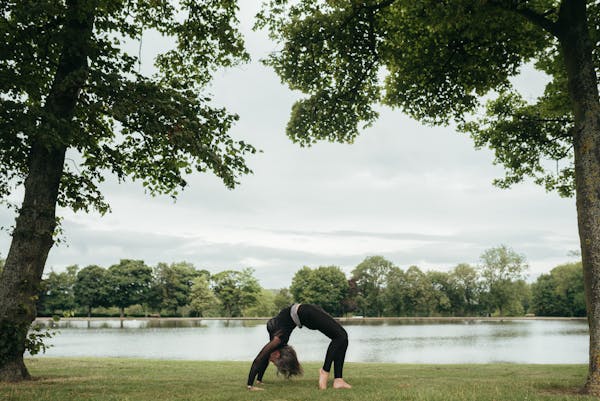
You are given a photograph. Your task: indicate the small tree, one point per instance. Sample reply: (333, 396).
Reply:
(370, 277)
(443, 292)
(202, 298)
(236, 290)
(499, 269)
(521, 299)
(560, 292)
(264, 306)
(326, 286)
(171, 286)
(350, 302)
(395, 293)
(129, 283)
(418, 293)
(92, 288)
(466, 289)
(283, 298)
(58, 294)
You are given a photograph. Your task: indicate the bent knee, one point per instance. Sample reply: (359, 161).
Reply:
(342, 335)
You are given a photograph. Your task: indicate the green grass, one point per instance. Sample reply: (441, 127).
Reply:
(154, 380)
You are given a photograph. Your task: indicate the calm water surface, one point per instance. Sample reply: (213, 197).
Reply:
(515, 341)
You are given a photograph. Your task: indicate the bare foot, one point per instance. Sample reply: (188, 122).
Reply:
(254, 388)
(323, 377)
(340, 383)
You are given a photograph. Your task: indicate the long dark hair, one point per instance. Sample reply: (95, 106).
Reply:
(287, 363)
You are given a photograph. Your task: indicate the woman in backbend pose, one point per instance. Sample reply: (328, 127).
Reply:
(284, 357)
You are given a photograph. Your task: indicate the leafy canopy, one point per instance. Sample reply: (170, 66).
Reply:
(236, 290)
(370, 278)
(436, 61)
(129, 282)
(155, 129)
(560, 292)
(91, 287)
(172, 285)
(325, 286)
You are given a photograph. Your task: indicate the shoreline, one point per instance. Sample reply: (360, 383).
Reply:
(341, 319)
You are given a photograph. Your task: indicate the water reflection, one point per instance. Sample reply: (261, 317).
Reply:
(418, 341)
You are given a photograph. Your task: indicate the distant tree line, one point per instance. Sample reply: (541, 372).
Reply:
(176, 289)
(376, 287)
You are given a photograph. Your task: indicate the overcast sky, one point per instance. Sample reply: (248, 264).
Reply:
(416, 195)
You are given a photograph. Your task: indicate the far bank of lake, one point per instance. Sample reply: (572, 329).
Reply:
(397, 340)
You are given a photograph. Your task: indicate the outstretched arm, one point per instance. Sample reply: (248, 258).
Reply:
(262, 360)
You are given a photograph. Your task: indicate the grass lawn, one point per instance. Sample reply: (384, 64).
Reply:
(64, 379)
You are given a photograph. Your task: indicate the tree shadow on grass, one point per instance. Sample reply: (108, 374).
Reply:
(564, 390)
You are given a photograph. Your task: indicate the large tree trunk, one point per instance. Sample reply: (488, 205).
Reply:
(31, 241)
(32, 237)
(583, 89)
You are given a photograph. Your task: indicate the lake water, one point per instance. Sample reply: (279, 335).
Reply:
(469, 341)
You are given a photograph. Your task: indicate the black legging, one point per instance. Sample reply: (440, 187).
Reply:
(336, 353)
(314, 317)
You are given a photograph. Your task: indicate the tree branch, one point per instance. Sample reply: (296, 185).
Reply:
(532, 16)
(549, 120)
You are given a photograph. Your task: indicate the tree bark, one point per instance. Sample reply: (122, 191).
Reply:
(576, 47)
(32, 237)
(31, 241)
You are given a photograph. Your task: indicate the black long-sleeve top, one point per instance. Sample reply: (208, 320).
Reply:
(281, 326)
